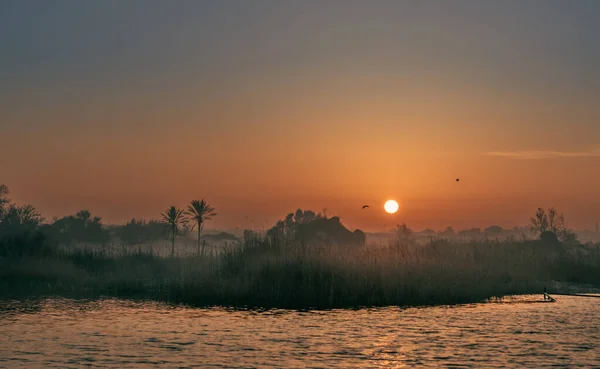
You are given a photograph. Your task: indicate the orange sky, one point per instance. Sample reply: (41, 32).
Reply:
(322, 112)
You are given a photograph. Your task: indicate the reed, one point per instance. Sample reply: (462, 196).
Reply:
(262, 274)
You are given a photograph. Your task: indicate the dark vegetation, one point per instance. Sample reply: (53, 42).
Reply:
(137, 232)
(287, 267)
(308, 226)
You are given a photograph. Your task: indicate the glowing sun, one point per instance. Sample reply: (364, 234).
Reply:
(391, 206)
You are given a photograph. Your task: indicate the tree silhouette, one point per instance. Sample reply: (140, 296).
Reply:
(494, 230)
(299, 216)
(20, 218)
(173, 217)
(539, 222)
(83, 215)
(551, 222)
(4, 200)
(448, 232)
(404, 234)
(19, 228)
(198, 212)
(309, 216)
(81, 227)
(140, 231)
(306, 225)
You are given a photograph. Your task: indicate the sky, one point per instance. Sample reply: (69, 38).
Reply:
(127, 107)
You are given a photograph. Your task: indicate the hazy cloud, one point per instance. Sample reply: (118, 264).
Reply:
(545, 154)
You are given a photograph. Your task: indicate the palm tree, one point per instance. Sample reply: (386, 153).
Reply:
(173, 217)
(198, 212)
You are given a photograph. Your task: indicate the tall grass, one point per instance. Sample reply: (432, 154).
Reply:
(268, 275)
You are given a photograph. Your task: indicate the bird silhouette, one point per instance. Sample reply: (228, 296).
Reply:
(457, 179)
(365, 206)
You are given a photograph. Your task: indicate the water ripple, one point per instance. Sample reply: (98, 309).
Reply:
(60, 333)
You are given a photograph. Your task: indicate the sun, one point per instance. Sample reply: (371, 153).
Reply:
(391, 206)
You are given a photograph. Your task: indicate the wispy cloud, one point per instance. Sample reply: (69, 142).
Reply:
(546, 154)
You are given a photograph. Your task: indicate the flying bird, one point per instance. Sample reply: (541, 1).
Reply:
(365, 206)
(457, 179)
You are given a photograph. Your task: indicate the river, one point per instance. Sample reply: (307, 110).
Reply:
(111, 333)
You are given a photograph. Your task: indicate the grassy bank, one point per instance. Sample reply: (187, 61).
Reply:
(308, 276)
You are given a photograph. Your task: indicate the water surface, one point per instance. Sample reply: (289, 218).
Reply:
(61, 333)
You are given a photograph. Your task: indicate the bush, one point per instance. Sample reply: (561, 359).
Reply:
(549, 237)
(27, 243)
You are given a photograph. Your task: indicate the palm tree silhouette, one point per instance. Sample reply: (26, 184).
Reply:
(197, 213)
(174, 218)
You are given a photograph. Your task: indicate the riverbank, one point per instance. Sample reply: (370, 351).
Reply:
(263, 275)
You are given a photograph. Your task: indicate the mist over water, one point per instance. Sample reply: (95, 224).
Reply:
(61, 333)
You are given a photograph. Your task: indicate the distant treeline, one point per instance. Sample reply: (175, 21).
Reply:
(23, 230)
(548, 225)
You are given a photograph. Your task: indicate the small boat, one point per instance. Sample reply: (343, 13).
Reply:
(548, 298)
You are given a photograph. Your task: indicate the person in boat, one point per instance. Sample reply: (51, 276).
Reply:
(547, 297)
